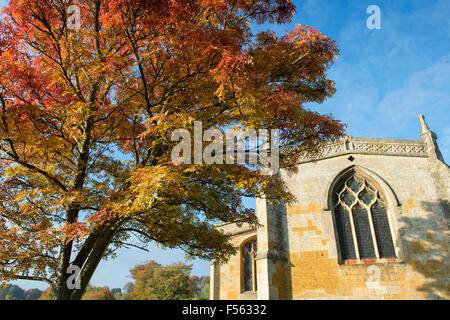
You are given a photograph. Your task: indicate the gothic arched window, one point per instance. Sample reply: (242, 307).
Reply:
(249, 265)
(361, 220)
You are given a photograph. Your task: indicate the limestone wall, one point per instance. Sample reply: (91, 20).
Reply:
(298, 255)
(418, 224)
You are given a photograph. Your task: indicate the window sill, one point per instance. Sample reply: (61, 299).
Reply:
(370, 261)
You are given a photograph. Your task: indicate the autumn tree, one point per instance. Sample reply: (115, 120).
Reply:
(87, 112)
(204, 294)
(14, 292)
(46, 295)
(33, 294)
(117, 293)
(98, 293)
(195, 285)
(127, 288)
(154, 281)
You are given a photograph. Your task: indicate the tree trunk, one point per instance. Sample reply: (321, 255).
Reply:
(91, 265)
(91, 253)
(60, 291)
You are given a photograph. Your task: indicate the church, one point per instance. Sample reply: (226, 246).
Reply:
(370, 222)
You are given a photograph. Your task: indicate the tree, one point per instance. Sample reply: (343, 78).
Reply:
(46, 295)
(17, 293)
(86, 117)
(12, 292)
(98, 293)
(128, 287)
(33, 294)
(195, 285)
(154, 281)
(204, 281)
(4, 291)
(204, 294)
(116, 292)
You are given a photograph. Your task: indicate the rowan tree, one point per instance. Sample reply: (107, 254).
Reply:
(86, 117)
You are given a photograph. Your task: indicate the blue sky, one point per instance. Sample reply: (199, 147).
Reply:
(384, 79)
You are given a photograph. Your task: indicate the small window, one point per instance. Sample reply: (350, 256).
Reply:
(249, 265)
(361, 220)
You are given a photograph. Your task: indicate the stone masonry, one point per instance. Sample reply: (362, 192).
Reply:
(298, 253)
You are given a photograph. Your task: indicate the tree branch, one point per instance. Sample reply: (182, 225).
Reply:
(33, 278)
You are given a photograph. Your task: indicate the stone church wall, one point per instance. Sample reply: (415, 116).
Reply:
(298, 248)
(417, 221)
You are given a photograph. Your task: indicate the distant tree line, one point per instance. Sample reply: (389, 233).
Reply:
(152, 281)
(14, 292)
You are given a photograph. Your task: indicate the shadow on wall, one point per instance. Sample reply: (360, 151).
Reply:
(279, 250)
(287, 294)
(426, 244)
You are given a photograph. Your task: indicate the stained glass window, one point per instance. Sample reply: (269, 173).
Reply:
(361, 220)
(249, 265)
